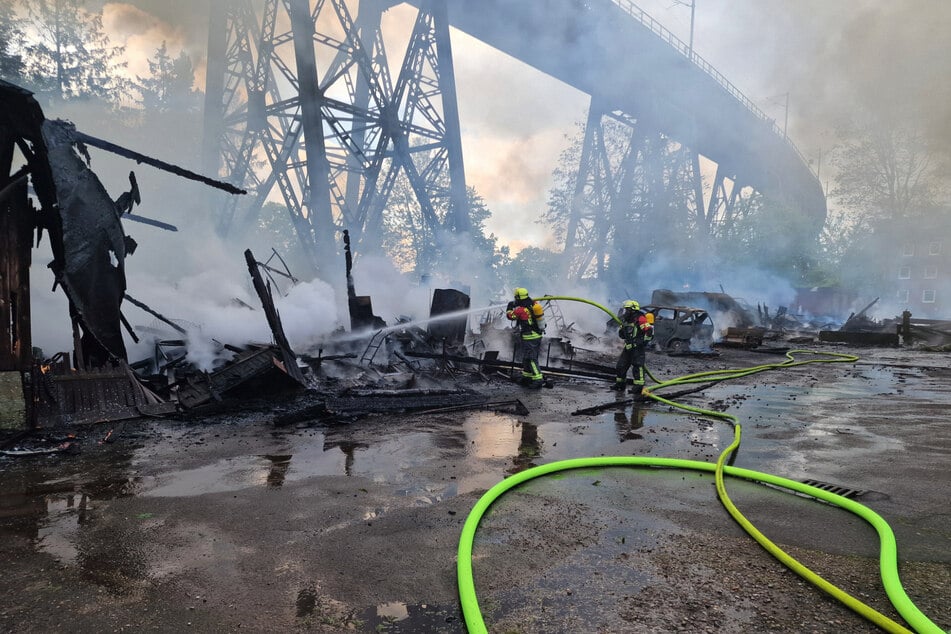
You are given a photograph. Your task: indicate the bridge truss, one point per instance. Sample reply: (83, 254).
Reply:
(638, 194)
(300, 99)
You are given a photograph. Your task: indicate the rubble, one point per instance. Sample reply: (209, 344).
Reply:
(859, 329)
(428, 365)
(89, 247)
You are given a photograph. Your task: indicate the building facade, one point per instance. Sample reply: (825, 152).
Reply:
(921, 268)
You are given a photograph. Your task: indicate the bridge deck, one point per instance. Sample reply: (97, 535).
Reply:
(600, 49)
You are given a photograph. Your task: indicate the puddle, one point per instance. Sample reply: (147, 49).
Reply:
(777, 419)
(432, 459)
(397, 617)
(384, 457)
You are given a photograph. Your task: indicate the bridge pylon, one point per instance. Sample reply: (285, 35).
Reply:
(640, 194)
(301, 107)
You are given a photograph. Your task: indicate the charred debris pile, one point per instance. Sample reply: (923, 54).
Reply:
(434, 364)
(374, 367)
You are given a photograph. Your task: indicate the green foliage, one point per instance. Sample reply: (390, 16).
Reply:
(11, 38)
(564, 180)
(533, 268)
(71, 57)
(886, 169)
(275, 230)
(773, 238)
(416, 246)
(170, 84)
(625, 205)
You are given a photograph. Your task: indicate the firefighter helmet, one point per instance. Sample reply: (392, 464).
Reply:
(521, 293)
(632, 304)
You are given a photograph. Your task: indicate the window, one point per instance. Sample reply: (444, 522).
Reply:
(927, 297)
(908, 249)
(904, 272)
(931, 272)
(934, 248)
(902, 297)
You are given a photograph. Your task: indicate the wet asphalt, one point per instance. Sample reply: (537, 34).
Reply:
(230, 523)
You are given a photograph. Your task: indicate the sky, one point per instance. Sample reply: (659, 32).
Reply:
(832, 57)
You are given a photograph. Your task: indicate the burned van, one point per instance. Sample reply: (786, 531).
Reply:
(680, 328)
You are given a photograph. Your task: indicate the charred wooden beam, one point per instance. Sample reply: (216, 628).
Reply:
(16, 228)
(274, 321)
(154, 313)
(370, 402)
(138, 157)
(516, 406)
(597, 409)
(860, 338)
(448, 301)
(149, 221)
(209, 387)
(361, 307)
(65, 396)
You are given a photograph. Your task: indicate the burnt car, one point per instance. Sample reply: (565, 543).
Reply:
(680, 328)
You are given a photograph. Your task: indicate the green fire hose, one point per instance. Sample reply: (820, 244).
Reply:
(888, 564)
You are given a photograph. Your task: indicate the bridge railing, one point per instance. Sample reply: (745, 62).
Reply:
(664, 33)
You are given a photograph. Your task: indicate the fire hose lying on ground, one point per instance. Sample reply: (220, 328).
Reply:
(888, 551)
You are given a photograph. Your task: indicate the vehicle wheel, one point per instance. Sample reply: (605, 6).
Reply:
(678, 345)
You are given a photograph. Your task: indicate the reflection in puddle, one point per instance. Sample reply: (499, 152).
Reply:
(393, 611)
(278, 470)
(823, 420)
(435, 459)
(396, 616)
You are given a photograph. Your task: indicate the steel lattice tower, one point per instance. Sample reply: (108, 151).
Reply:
(635, 189)
(300, 97)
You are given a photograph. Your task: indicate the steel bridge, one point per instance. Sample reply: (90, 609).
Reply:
(301, 99)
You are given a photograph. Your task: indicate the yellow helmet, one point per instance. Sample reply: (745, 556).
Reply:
(521, 293)
(632, 304)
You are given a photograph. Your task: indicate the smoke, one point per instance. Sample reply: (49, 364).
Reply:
(141, 33)
(49, 311)
(205, 305)
(834, 59)
(394, 294)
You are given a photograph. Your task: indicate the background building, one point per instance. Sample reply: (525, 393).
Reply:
(920, 275)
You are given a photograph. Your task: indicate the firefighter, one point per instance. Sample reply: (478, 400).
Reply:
(529, 317)
(637, 331)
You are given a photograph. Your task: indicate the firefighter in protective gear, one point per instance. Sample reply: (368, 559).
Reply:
(637, 331)
(529, 318)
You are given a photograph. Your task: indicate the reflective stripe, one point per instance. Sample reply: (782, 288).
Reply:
(537, 375)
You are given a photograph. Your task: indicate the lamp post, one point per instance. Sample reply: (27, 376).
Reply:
(786, 117)
(786, 110)
(693, 9)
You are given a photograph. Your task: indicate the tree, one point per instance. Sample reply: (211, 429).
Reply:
(775, 239)
(275, 230)
(621, 198)
(886, 169)
(532, 268)
(170, 84)
(11, 40)
(415, 244)
(487, 261)
(71, 57)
